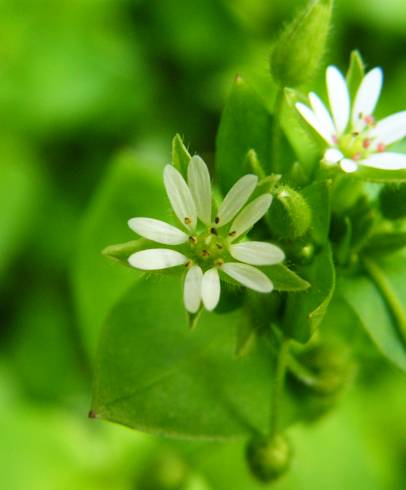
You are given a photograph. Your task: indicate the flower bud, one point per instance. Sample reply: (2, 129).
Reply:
(269, 458)
(392, 200)
(299, 49)
(289, 215)
(164, 472)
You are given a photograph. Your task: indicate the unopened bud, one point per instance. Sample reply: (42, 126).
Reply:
(299, 49)
(269, 457)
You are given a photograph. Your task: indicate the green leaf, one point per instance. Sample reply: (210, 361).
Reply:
(284, 279)
(245, 125)
(378, 300)
(380, 175)
(180, 155)
(305, 310)
(355, 73)
(318, 197)
(122, 251)
(385, 243)
(130, 188)
(154, 374)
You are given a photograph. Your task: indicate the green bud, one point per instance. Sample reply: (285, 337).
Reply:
(269, 458)
(355, 73)
(164, 472)
(290, 215)
(298, 51)
(121, 251)
(392, 200)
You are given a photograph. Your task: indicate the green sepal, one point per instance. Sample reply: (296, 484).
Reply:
(355, 73)
(380, 175)
(290, 215)
(285, 279)
(180, 155)
(121, 251)
(385, 243)
(305, 310)
(245, 124)
(297, 53)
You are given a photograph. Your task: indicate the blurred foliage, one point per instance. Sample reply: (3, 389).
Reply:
(81, 81)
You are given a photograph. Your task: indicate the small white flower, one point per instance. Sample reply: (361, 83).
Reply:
(208, 243)
(350, 131)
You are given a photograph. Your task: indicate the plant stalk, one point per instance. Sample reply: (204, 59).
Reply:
(278, 385)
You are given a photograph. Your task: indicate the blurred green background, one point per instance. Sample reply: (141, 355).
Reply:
(81, 81)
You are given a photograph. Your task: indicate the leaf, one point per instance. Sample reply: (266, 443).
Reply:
(355, 73)
(385, 243)
(122, 251)
(245, 125)
(180, 155)
(380, 175)
(130, 188)
(305, 310)
(154, 374)
(373, 310)
(284, 279)
(318, 196)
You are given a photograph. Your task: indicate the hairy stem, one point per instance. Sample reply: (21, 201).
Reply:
(278, 384)
(387, 292)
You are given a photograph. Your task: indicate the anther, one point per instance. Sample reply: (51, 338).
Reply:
(219, 262)
(219, 246)
(369, 120)
(188, 221)
(188, 264)
(232, 233)
(205, 253)
(356, 157)
(217, 220)
(355, 133)
(213, 231)
(380, 147)
(366, 143)
(193, 240)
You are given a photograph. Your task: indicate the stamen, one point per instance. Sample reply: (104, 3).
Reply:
(213, 231)
(217, 220)
(366, 143)
(369, 120)
(355, 133)
(188, 264)
(193, 240)
(356, 157)
(188, 221)
(335, 139)
(205, 253)
(219, 246)
(219, 262)
(380, 147)
(232, 233)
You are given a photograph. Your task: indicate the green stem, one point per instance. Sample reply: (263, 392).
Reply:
(301, 373)
(386, 290)
(278, 384)
(277, 132)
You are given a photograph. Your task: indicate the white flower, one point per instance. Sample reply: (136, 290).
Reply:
(350, 130)
(206, 246)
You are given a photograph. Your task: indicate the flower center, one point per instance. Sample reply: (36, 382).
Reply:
(208, 249)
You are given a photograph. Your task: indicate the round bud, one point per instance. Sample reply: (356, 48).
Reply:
(269, 457)
(392, 200)
(290, 215)
(164, 472)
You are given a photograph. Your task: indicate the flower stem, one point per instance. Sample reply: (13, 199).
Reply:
(389, 295)
(278, 384)
(277, 132)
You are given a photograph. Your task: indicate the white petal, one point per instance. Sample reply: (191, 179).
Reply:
(367, 96)
(248, 276)
(156, 258)
(192, 291)
(200, 187)
(180, 197)
(322, 113)
(332, 156)
(236, 197)
(257, 253)
(211, 289)
(157, 231)
(311, 118)
(348, 165)
(386, 161)
(390, 129)
(252, 213)
(339, 98)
